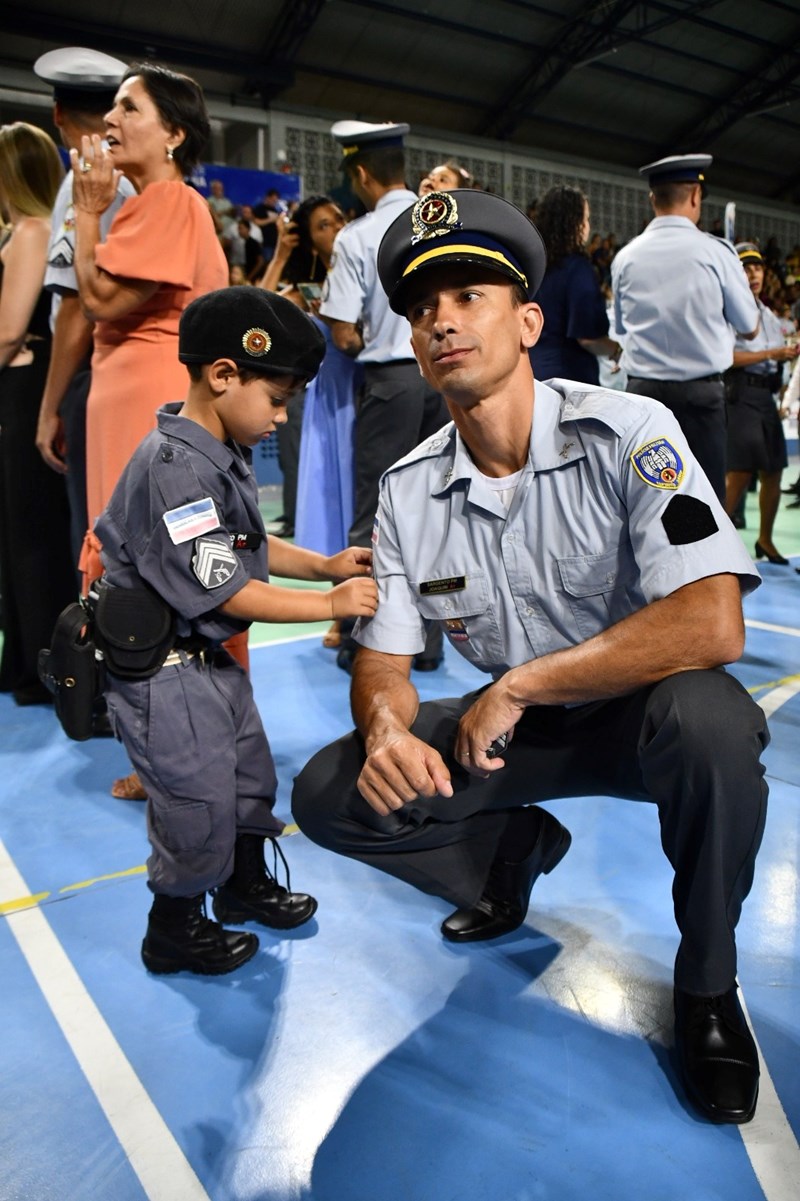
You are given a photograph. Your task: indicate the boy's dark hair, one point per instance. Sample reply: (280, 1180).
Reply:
(196, 373)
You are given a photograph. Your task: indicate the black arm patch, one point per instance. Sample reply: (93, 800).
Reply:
(687, 519)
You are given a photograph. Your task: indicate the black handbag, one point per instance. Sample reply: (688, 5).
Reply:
(71, 670)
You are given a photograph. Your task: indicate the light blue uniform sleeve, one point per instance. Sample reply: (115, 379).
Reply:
(345, 288)
(738, 302)
(397, 628)
(678, 534)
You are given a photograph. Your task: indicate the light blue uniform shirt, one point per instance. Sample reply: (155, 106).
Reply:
(352, 291)
(679, 298)
(582, 545)
(770, 335)
(60, 277)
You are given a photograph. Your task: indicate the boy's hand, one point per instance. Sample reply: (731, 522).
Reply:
(354, 561)
(354, 598)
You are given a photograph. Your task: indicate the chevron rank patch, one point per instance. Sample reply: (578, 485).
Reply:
(213, 562)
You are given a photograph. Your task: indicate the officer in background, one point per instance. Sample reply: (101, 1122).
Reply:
(84, 84)
(679, 295)
(569, 545)
(396, 408)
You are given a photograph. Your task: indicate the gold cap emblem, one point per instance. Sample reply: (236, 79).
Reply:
(434, 215)
(256, 342)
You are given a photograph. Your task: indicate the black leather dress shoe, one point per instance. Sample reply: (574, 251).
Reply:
(504, 904)
(718, 1055)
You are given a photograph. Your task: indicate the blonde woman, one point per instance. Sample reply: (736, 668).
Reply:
(37, 576)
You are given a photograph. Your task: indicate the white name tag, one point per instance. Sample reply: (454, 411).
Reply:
(192, 520)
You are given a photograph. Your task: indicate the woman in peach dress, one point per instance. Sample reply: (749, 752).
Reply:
(161, 252)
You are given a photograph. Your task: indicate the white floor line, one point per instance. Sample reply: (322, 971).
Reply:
(163, 1170)
(772, 701)
(769, 1139)
(770, 1142)
(773, 629)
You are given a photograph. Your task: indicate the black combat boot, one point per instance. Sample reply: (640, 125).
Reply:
(180, 938)
(252, 894)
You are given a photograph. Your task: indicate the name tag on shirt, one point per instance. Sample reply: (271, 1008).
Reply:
(192, 520)
(454, 583)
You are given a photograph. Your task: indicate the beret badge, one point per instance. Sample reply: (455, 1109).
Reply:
(433, 216)
(257, 342)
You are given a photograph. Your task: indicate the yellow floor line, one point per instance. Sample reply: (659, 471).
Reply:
(30, 902)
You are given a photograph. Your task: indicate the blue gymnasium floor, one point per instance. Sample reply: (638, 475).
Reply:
(361, 1058)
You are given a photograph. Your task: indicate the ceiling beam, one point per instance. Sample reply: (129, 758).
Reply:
(127, 43)
(770, 84)
(292, 26)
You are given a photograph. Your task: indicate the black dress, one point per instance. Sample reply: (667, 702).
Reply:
(37, 575)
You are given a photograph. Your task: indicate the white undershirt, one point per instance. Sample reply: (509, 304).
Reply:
(505, 487)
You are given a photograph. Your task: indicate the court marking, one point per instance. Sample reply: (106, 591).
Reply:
(149, 1145)
(159, 1163)
(792, 631)
(768, 1139)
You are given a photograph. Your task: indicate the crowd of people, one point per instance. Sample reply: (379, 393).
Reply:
(150, 337)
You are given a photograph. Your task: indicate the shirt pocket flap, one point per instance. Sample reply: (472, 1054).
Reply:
(589, 575)
(468, 601)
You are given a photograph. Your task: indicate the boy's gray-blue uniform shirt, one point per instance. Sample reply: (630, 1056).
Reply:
(173, 522)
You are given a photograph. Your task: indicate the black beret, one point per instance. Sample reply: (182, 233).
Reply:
(463, 226)
(255, 329)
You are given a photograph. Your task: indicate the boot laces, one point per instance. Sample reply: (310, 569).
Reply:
(273, 875)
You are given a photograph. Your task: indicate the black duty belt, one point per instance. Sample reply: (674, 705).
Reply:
(756, 379)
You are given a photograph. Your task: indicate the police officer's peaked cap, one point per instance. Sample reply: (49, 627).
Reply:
(255, 329)
(463, 226)
(748, 252)
(357, 136)
(75, 67)
(678, 168)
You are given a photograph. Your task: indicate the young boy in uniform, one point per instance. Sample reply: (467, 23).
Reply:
(185, 557)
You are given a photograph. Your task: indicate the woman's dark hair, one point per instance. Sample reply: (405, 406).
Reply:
(559, 218)
(180, 105)
(304, 265)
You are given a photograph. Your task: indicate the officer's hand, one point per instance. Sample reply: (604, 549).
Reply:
(492, 715)
(400, 768)
(95, 179)
(49, 438)
(354, 561)
(354, 598)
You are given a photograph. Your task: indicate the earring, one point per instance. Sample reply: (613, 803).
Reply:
(170, 155)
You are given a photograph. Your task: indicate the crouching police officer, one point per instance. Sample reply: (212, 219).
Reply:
(568, 544)
(185, 557)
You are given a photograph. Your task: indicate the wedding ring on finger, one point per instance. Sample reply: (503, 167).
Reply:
(85, 166)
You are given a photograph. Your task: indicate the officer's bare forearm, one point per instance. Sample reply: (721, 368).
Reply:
(258, 601)
(383, 699)
(346, 336)
(72, 340)
(699, 626)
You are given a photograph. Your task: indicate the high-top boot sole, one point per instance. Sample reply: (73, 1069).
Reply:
(163, 957)
(229, 907)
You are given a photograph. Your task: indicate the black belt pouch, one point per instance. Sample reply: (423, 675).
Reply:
(134, 628)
